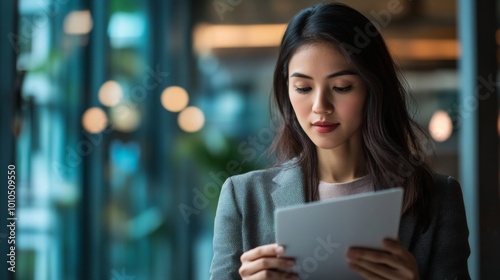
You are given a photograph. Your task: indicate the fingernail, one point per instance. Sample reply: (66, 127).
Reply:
(279, 250)
(290, 263)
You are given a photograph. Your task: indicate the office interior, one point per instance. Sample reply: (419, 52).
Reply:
(123, 119)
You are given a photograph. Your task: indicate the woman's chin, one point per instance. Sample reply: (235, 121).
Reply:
(326, 146)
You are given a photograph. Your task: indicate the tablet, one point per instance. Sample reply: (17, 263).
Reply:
(318, 234)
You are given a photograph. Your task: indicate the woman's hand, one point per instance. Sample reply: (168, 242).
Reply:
(263, 262)
(397, 263)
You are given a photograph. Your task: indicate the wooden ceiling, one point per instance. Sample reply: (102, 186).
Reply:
(420, 21)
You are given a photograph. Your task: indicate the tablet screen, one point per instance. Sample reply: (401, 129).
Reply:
(318, 234)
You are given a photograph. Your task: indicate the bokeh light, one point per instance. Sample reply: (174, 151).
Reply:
(110, 93)
(440, 126)
(191, 119)
(498, 124)
(78, 22)
(125, 117)
(174, 98)
(94, 120)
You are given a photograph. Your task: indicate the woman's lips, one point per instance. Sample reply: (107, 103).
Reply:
(325, 127)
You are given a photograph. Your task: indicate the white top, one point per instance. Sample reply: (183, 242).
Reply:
(336, 190)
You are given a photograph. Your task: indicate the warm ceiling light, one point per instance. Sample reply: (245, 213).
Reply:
(207, 37)
(78, 22)
(110, 93)
(125, 117)
(174, 98)
(424, 49)
(94, 120)
(440, 126)
(191, 119)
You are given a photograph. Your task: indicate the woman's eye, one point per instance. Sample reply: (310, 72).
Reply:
(342, 89)
(302, 90)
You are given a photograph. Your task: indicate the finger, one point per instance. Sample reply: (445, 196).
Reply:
(373, 256)
(262, 264)
(269, 274)
(368, 254)
(380, 270)
(393, 247)
(399, 271)
(366, 274)
(270, 250)
(409, 267)
(289, 276)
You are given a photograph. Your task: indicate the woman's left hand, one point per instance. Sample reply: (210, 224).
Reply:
(396, 263)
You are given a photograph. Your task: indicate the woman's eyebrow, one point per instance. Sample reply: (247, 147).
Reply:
(336, 74)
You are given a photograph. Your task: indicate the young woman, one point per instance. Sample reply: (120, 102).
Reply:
(345, 129)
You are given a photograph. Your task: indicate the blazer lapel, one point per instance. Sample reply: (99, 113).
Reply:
(290, 190)
(406, 229)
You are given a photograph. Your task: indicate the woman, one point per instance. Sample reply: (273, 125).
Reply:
(345, 129)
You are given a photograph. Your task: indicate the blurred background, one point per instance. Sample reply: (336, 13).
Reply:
(124, 117)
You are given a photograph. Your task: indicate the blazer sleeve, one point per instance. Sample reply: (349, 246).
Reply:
(227, 242)
(450, 248)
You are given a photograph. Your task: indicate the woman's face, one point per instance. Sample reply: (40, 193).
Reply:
(327, 95)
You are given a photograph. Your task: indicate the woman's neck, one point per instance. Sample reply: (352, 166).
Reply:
(341, 164)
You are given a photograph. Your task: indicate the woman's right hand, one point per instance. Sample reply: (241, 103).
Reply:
(263, 262)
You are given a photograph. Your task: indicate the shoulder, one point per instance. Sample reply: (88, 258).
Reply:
(260, 178)
(446, 186)
(447, 197)
(260, 185)
(242, 192)
(447, 241)
(442, 179)
(255, 177)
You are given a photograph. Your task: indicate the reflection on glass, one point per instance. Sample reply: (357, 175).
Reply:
(125, 29)
(110, 93)
(174, 98)
(125, 117)
(191, 119)
(440, 126)
(78, 22)
(94, 120)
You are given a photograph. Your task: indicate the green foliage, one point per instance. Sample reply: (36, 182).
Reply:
(225, 160)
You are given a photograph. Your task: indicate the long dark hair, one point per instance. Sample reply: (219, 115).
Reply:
(392, 149)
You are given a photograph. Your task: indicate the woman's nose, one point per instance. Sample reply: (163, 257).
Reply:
(322, 103)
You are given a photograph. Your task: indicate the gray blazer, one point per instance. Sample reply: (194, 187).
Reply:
(245, 220)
